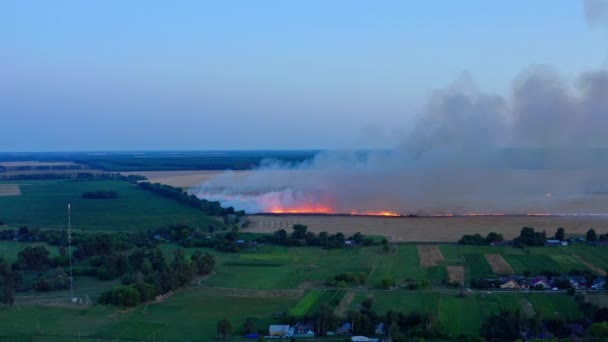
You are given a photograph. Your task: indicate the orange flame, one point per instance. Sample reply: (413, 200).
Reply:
(374, 213)
(312, 209)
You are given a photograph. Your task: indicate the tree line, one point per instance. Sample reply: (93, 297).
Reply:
(213, 208)
(99, 194)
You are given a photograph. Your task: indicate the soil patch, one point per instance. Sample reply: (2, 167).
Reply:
(10, 190)
(499, 264)
(430, 255)
(455, 274)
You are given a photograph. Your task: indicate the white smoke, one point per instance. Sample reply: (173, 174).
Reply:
(458, 158)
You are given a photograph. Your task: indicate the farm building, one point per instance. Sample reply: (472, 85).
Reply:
(278, 330)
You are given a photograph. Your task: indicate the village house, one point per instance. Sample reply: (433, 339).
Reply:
(345, 329)
(278, 330)
(303, 330)
(599, 284)
(577, 282)
(540, 283)
(509, 284)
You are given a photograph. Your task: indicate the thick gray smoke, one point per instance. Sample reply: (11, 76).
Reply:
(542, 149)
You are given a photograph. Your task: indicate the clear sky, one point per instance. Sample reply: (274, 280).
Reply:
(137, 75)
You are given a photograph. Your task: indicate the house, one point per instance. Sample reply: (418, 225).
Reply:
(539, 283)
(349, 243)
(278, 330)
(303, 330)
(509, 284)
(360, 339)
(345, 329)
(564, 243)
(379, 329)
(552, 243)
(599, 284)
(577, 281)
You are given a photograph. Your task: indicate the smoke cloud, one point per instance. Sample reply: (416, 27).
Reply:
(542, 149)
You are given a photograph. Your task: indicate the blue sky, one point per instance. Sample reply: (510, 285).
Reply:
(137, 75)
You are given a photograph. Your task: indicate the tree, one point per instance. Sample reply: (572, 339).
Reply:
(367, 303)
(591, 235)
(7, 296)
(560, 234)
(249, 325)
(224, 328)
(33, 257)
(599, 330)
(204, 264)
(299, 231)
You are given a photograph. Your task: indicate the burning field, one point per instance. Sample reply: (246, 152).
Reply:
(471, 162)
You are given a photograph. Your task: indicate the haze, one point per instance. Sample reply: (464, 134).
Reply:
(139, 75)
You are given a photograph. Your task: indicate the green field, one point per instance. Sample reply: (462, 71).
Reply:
(43, 204)
(189, 315)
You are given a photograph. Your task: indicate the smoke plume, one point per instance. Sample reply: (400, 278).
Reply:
(542, 149)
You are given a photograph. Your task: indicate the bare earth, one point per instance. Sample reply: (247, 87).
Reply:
(427, 229)
(429, 255)
(455, 274)
(9, 190)
(499, 264)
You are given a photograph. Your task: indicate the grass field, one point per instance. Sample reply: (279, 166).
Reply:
(43, 204)
(189, 315)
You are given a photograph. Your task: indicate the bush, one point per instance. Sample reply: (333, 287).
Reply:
(121, 295)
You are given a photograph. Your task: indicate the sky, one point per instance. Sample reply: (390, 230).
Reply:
(198, 75)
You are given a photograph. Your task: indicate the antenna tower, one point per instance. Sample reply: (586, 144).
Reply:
(70, 251)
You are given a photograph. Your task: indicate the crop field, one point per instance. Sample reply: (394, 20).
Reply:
(182, 179)
(313, 299)
(478, 266)
(427, 229)
(44, 203)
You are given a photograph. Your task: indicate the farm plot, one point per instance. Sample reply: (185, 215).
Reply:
(478, 266)
(533, 263)
(430, 255)
(42, 204)
(498, 264)
(591, 266)
(455, 274)
(10, 190)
